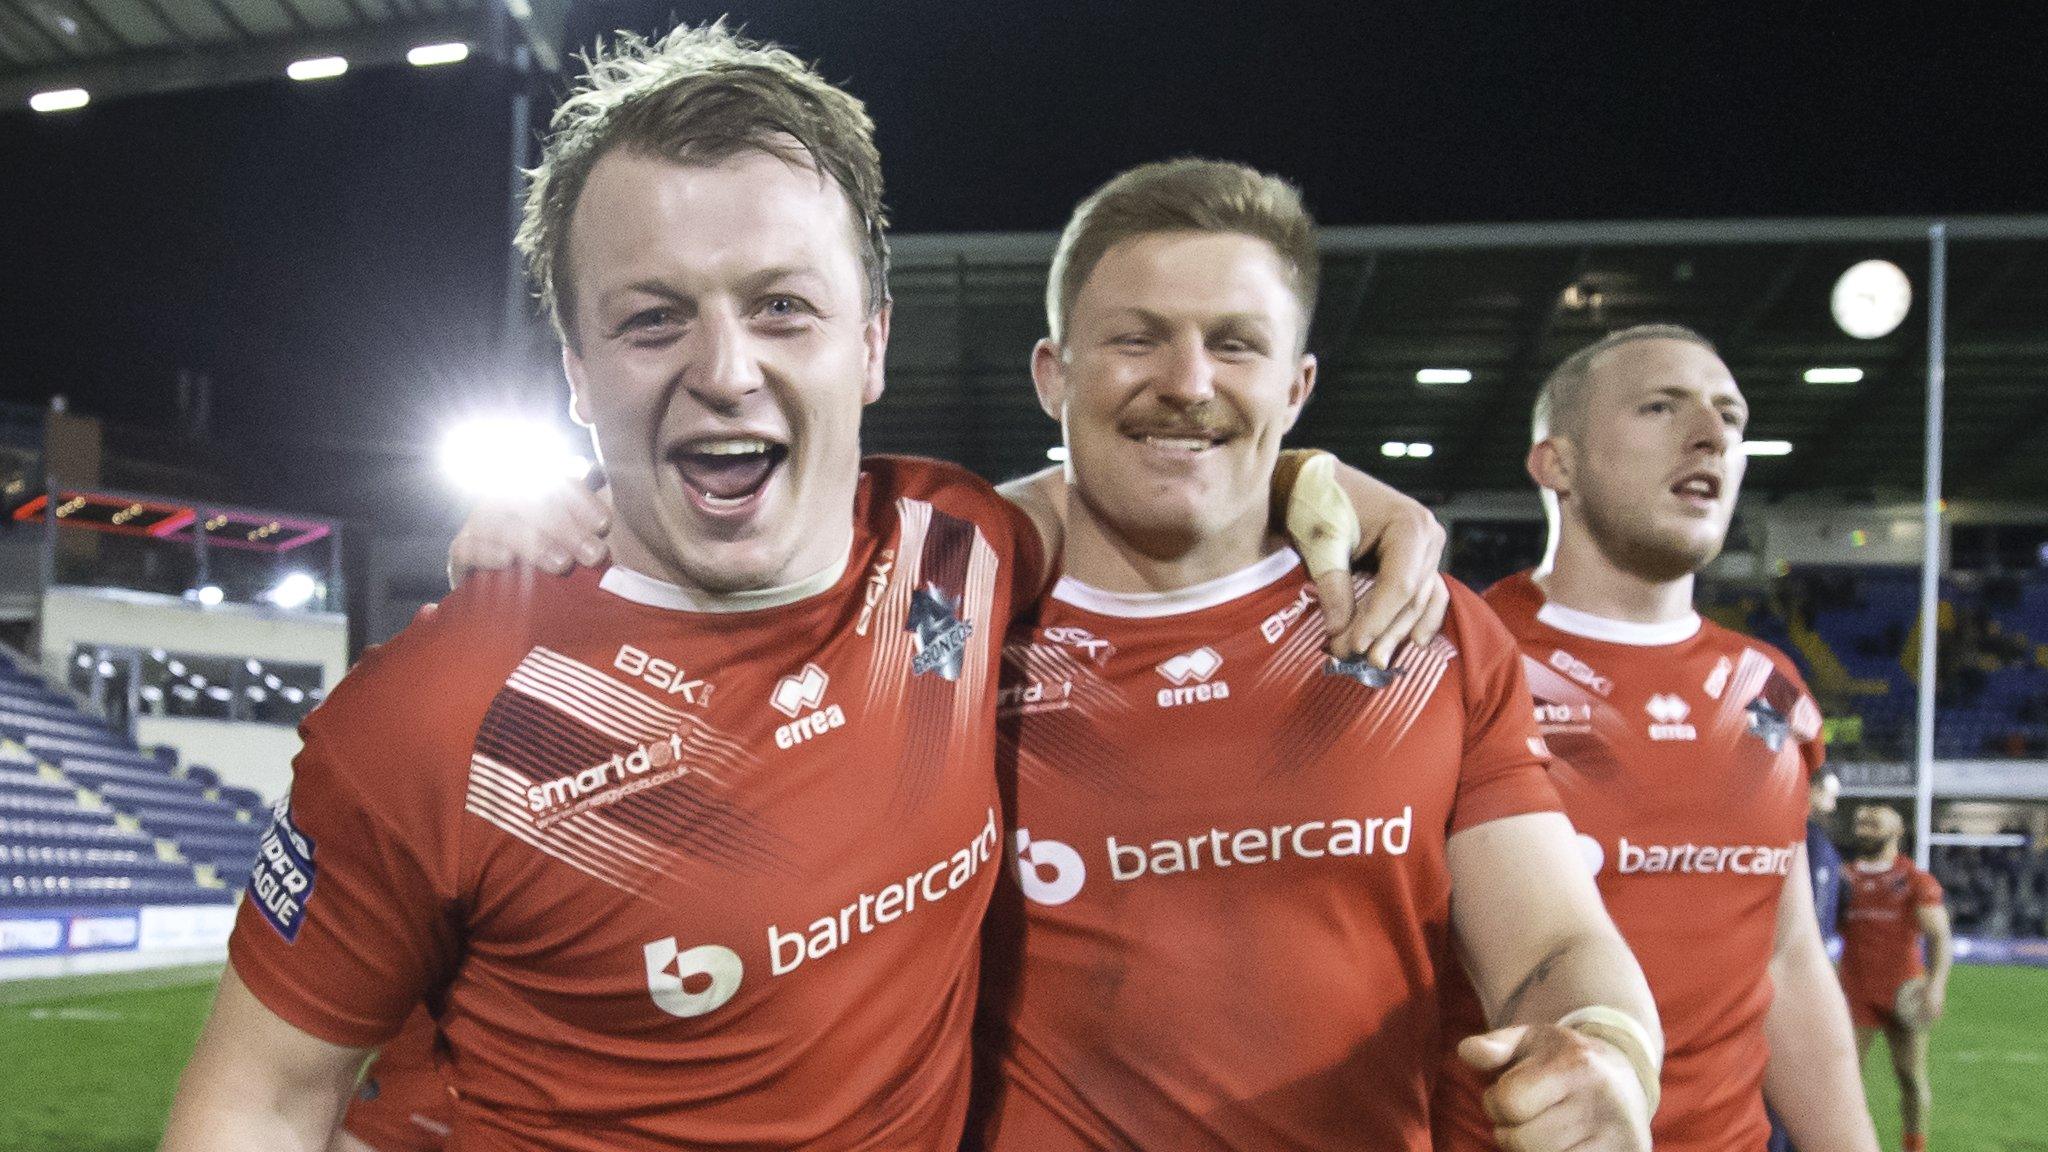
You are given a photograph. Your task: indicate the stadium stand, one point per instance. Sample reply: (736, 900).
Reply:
(89, 819)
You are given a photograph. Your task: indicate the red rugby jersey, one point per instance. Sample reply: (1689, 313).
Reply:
(1231, 903)
(403, 1103)
(671, 878)
(1881, 926)
(1682, 756)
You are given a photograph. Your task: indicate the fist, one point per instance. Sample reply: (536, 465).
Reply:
(1559, 1089)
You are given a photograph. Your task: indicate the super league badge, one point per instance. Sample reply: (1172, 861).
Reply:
(941, 633)
(1358, 669)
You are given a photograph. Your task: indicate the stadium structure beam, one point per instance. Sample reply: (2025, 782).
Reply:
(1036, 247)
(1930, 544)
(153, 73)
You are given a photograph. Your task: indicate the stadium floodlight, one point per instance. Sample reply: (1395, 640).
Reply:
(317, 68)
(1057, 453)
(292, 593)
(209, 595)
(60, 100)
(429, 55)
(1394, 449)
(1834, 375)
(1871, 299)
(1420, 450)
(1766, 447)
(1444, 376)
(508, 457)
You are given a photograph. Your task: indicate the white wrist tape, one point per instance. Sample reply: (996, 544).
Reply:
(1626, 1033)
(1320, 519)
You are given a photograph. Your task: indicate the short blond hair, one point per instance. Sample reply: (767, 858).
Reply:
(1185, 195)
(1561, 402)
(698, 95)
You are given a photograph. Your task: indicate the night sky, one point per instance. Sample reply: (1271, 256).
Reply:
(333, 254)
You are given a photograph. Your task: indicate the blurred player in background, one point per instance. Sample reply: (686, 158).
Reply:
(1683, 755)
(1892, 904)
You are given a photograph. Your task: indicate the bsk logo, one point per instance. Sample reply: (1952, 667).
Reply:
(1717, 680)
(1191, 672)
(1581, 671)
(871, 595)
(1049, 872)
(1667, 718)
(1091, 645)
(691, 983)
(661, 674)
(803, 693)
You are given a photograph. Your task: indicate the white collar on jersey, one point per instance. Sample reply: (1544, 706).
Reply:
(1194, 598)
(1591, 627)
(627, 584)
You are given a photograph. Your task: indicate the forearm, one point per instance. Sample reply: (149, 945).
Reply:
(1591, 966)
(1941, 955)
(217, 1111)
(1811, 1078)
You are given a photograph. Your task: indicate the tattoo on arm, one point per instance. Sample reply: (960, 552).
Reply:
(1537, 975)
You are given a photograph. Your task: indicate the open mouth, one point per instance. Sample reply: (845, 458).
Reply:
(726, 472)
(1704, 487)
(1189, 442)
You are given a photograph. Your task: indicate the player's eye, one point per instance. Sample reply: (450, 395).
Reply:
(650, 323)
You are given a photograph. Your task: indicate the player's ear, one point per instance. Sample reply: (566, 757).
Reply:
(1550, 465)
(875, 336)
(579, 387)
(1300, 387)
(1049, 376)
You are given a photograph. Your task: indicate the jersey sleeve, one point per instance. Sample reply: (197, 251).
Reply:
(1506, 766)
(351, 913)
(1009, 530)
(1926, 890)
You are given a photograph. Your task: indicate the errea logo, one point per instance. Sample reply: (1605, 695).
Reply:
(1667, 718)
(1191, 673)
(803, 693)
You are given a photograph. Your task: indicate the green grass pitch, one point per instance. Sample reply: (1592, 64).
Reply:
(88, 1064)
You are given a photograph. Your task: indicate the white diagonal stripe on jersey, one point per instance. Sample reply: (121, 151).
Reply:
(617, 851)
(620, 696)
(605, 723)
(572, 675)
(972, 693)
(494, 801)
(1415, 665)
(886, 676)
(1413, 711)
(1752, 672)
(635, 849)
(1547, 683)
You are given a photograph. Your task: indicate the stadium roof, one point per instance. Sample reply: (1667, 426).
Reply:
(1506, 303)
(116, 48)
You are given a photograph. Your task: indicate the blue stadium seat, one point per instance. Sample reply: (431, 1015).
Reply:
(81, 830)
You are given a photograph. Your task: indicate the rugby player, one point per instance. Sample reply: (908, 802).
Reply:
(646, 910)
(1892, 904)
(1683, 752)
(1241, 864)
